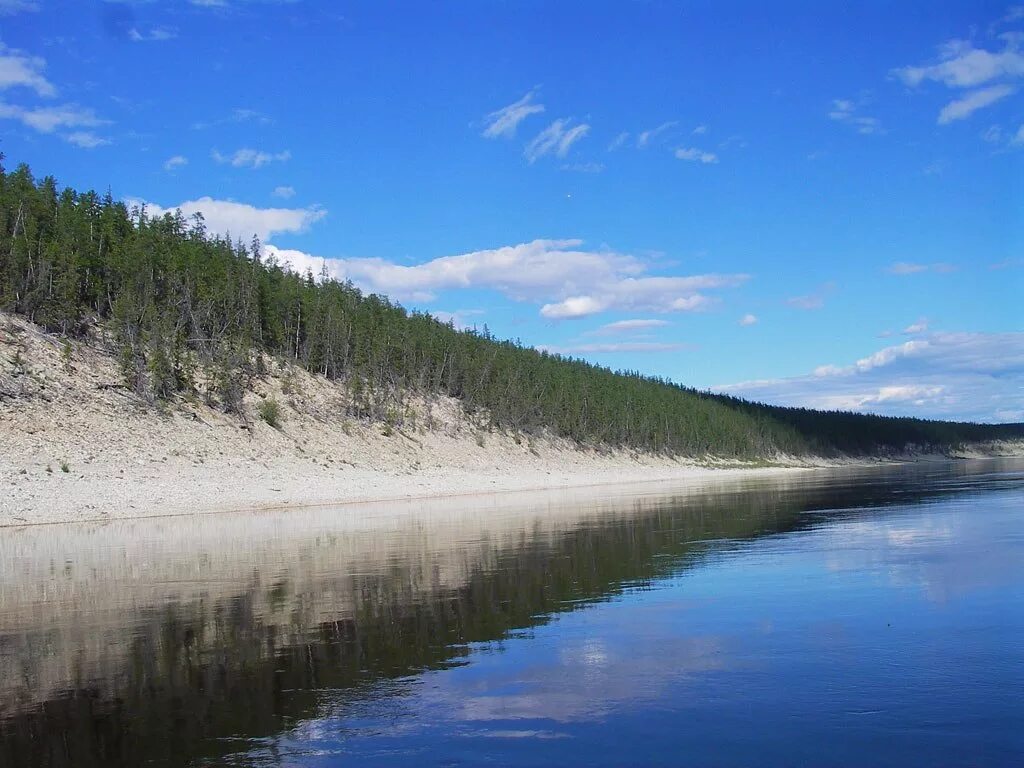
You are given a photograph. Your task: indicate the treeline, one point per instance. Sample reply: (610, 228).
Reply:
(193, 312)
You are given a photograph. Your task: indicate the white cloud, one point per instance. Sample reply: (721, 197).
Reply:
(175, 162)
(646, 137)
(209, 3)
(909, 394)
(557, 138)
(11, 7)
(459, 318)
(748, 320)
(284, 192)
(241, 220)
(644, 294)
(625, 346)
(914, 328)
(18, 69)
(618, 141)
(961, 65)
(49, 119)
(505, 121)
(974, 376)
(960, 109)
(85, 139)
(1018, 138)
(565, 279)
(696, 155)
(627, 327)
(574, 306)
(250, 158)
(155, 35)
(700, 130)
(914, 268)
(845, 111)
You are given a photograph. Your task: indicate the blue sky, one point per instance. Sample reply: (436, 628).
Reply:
(796, 202)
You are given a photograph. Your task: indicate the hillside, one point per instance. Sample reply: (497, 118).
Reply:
(171, 319)
(79, 445)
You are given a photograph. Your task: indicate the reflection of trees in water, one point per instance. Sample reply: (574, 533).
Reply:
(189, 674)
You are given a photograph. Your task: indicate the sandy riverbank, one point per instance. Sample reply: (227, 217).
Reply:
(76, 446)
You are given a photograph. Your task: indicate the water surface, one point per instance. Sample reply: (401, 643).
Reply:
(826, 618)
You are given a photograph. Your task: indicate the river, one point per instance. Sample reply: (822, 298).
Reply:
(869, 616)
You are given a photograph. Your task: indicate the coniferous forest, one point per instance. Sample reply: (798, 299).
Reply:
(178, 301)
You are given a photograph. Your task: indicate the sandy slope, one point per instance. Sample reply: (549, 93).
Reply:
(61, 408)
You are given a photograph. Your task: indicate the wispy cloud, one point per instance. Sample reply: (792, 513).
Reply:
(223, 217)
(284, 192)
(914, 268)
(938, 375)
(556, 139)
(644, 138)
(11, 7)
(916, 328)
(814, 300)
(154, 35)
(627, 327)
(85, 139)
(612, 348)
(846, 111)
(238, 115)
(504, 122)
(589, 167)
(960, 109)
(19, 69)
(748, 320)
(694, 155)
(49, 119)
(250, 158)
(173, 163)
(619, 141)
(962, 66)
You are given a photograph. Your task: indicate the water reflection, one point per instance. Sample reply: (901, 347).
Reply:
(176, 643)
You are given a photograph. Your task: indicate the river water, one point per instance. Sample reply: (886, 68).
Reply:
(841, 617)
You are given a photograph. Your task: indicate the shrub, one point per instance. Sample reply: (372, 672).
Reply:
(270, 412)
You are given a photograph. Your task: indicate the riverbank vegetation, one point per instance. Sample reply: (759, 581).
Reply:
(191, 313)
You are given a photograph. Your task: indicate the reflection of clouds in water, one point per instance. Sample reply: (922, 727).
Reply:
(521, 734)
(946, 554)
(586, 680)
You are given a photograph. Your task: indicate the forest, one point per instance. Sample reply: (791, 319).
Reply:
(192, 313)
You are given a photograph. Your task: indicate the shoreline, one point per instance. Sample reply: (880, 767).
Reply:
(580, 484)
(438, 487)
(78, 447)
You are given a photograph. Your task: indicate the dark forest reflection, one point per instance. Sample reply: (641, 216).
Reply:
(173, 657)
